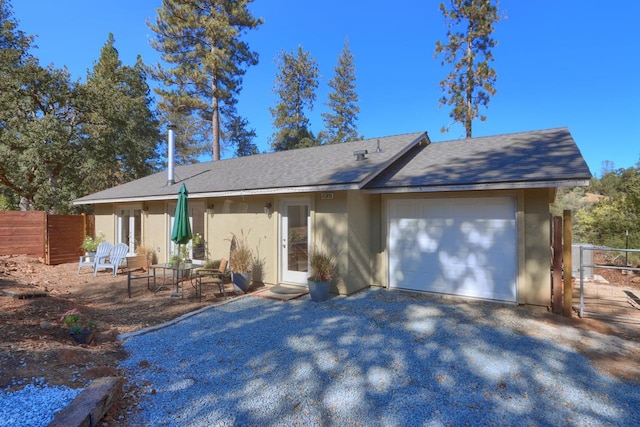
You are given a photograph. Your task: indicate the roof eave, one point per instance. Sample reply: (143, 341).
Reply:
(480, 186)
(215, 194)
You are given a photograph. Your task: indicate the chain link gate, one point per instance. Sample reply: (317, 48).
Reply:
(616, 300)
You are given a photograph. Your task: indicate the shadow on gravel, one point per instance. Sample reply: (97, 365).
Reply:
(375, 358)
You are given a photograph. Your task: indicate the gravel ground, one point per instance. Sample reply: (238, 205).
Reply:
(375, 358)
(35, 404)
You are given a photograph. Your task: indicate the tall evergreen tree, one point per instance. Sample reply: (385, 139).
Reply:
(471, 82)
(120, 126)
(295, 84)
(242, 137)
(200, 40)
(340, 123)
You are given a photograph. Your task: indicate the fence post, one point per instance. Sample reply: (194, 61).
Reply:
(556, 300)
(84, 225)
(568, 268)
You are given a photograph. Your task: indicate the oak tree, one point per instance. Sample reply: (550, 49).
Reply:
(39, 140)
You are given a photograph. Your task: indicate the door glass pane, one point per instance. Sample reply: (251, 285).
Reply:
(297, 227)
(137, 230)
(123, 235)
(198, 249)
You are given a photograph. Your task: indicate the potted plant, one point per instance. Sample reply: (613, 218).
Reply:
(323, 269)
(81, 330)
(241, 261)
(175, 260)
(90, 244)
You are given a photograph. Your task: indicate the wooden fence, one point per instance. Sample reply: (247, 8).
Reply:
(55, 238)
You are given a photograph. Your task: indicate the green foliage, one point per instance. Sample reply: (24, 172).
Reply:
(66, 139)
(241, 137)
(190, 137)
(204, 58)
(39, 131)
(295, 85)
(614, 211)
(91, 244)
(572, 199)
(119, 123)
(340, 124)
(471, 82)
(7, 201)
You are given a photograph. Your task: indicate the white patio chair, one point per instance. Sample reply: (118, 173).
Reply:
(116, 256)
(102, 252)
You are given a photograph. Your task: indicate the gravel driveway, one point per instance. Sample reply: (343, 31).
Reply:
(374, 358)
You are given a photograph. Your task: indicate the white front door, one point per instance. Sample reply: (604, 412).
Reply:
(129, 228)
(295, 229)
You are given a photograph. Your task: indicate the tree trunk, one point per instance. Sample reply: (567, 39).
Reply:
(215, 122)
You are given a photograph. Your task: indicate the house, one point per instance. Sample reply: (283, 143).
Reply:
(464, 217)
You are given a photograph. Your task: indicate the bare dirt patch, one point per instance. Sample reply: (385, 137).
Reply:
(35, 342)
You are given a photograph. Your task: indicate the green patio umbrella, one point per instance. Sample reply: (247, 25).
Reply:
(181, 233)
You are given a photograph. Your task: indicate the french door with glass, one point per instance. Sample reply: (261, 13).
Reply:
(294, 241)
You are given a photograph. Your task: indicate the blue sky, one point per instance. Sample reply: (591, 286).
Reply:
(572, 63)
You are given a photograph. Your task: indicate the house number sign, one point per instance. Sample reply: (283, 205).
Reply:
(326, 196)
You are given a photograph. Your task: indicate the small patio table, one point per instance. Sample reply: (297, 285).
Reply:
(178, 274)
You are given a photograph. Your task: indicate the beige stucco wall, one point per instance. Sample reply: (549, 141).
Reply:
(245, 216)
(359, 272)
(105, 222)
(329, 227)
(537, 247)
(352, 224)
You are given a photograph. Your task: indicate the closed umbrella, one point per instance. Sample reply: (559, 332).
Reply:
(181, 233)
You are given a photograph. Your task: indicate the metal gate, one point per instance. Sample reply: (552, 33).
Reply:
(615, 298)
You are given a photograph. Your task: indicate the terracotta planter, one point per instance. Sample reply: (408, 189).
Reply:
(241, 280)
(319, 291)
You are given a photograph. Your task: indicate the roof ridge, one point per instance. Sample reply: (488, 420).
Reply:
(308, 148)
(507, 134)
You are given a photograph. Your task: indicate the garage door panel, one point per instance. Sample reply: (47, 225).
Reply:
(456, 246)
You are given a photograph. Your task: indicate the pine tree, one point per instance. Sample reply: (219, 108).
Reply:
(295, 84)
(471, 83)
(340, 124)
(241, 137)
(190, 136)
(200, 41)
(120, 126)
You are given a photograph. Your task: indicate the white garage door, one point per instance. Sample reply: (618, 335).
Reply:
(454, 246)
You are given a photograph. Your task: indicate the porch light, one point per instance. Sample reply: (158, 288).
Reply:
(267, 209)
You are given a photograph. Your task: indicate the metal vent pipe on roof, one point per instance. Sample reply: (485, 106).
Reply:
(171, 146)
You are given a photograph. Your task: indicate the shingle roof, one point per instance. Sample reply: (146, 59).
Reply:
(545, 156)
(327, 166)
(526, 159)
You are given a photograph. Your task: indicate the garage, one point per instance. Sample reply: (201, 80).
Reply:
(458, 246)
